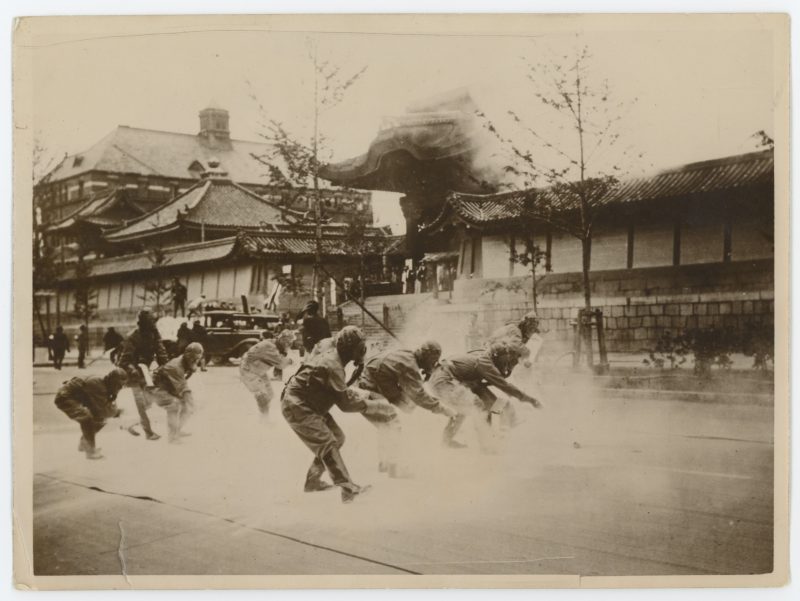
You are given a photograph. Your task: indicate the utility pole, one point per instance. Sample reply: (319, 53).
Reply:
(316, 279)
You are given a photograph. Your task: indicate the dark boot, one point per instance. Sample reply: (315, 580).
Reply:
(314, 480)
(335, 465)
(450, 431)
(349, 494)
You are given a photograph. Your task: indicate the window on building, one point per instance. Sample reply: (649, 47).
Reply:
(78, 161)
(702, 235)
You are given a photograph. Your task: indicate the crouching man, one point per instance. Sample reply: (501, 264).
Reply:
(257, 362)
(306, 402)
(90, 401)
(171, 391)
(142, 347)
(463, 381)
(396, 376)
(518, 335)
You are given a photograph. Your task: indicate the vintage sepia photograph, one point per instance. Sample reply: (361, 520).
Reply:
(401, 301)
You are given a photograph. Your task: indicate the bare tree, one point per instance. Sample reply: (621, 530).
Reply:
(360, 244)
(573, 157)
(528, 253)
(157, 290)
(294, 162)
(85, 295)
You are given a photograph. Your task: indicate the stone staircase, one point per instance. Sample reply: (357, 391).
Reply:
(398, 308)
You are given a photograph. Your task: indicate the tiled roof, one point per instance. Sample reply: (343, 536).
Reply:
(179, 255)
(211, 202)
(696, 178)
(396, 246)
(264, 244)
(169, 154)
(423, 136)
(106, 209)
(247, 245)
(275, 244)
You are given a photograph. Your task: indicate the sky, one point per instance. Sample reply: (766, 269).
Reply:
(699, 93)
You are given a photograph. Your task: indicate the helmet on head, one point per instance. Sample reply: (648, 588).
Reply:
(115, 379)
(428, 355)
(145, 319)
(285, 340)
(351, 344)
(504, 357)
(529, 325)
(193, 352)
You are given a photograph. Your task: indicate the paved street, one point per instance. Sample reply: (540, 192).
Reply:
(592, 486)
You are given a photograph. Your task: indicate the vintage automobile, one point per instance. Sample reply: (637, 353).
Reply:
(232, 333)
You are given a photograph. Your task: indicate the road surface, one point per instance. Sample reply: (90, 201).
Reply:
(588, 485)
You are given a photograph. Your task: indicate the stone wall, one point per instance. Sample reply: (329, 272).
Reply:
(638, 304)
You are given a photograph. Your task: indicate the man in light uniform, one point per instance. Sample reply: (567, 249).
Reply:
(463, 381)
(307, 399)
(171, 391)
(257, 362)
(520, 336)
(394, 375)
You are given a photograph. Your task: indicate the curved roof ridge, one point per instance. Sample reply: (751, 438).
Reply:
(121, 231)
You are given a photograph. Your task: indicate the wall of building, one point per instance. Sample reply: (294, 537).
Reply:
(119, 298)
(59, 199)
(638, 304)
(650, 273)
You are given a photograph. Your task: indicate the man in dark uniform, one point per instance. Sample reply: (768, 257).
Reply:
(463, 381)
(90, 401)
(112, 340)
(171, 391)
(59, 345)
(394, 375)
(141, 348)
(315, 327)
(83, 345)
(200, 335)
(178, 297)
(307, 399)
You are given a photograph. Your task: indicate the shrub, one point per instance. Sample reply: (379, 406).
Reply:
(710, 347)
(669, 349)
(758, 342)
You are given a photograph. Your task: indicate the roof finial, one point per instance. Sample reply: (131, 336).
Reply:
(214, 170)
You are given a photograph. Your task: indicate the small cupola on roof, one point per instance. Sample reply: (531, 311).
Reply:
(214, 170)
(214, 129)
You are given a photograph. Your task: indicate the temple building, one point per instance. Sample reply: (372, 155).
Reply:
(425, 154)
(222, 240)
(210, 207)
(132, 171)
(687, 247)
